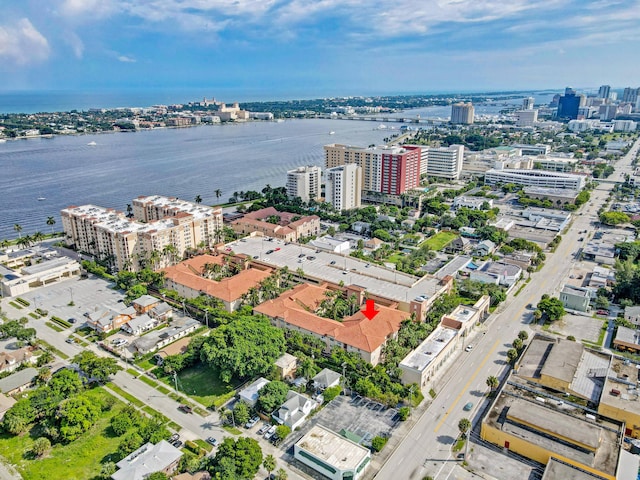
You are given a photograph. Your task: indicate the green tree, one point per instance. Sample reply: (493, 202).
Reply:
(120, 424)
(464, 425)
(239, 458)
(51, 222)
(614, 218)
(517, 344)
(378, 443)
(537, 314)
(492, 382)
(552, 308)
(512, 355)
(282, 431)
(331, 393)
(272, 395)
(241, 413)
(130, 443)
(158, 476)
(44, 375)
(95, 367)
(19, 416)
(523, 335)
(403, 413)
(281, 474)
(248, 347)
(108, 469)
(75, 416)
(269, 463)
(602, 301)
(41, 446)
(65, 383)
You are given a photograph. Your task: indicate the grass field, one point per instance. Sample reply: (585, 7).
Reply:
(79, 460)
(202, 383)
(439, 240)
(395, 257)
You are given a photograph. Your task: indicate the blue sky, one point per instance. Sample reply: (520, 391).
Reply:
(316, 47)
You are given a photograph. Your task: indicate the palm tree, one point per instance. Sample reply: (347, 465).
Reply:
(218, 193)
(51, 222)
(281, 474)
(269, 464)
(198, 199)
(38, 237)
(493, 382)
(464, 425)
(18, 228)
(153, 258)
(129, 211)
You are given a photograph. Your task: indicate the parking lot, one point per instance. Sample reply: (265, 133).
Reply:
(358, 415)
(581, 327)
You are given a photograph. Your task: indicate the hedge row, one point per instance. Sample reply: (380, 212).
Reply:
(22, 301)
(61, 322)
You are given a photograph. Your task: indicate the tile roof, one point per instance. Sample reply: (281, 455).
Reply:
(296, 307)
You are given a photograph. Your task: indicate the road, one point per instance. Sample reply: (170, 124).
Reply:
(426, 450)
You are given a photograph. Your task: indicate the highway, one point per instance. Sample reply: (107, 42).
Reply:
(426, 450)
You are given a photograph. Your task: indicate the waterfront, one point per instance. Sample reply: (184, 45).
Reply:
(182, 162)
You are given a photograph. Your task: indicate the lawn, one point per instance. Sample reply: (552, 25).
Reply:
(395, 258)
(79, 460)
(202, 383)
(439, 240)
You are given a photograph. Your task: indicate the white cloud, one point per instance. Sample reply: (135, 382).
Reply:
(126, 59)
(93, 8)
(75, 42)
(23, 44)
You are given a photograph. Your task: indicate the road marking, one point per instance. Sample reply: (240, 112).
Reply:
(464, 389)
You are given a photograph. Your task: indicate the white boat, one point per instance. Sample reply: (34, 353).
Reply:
(92, 144)
(332, 132)
(41, 199)
(3, 140)
(381, 127)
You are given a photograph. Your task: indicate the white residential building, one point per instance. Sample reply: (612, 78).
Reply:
(304, 182)
(536, 178)
(462, 113)
(526, 118)
(445, 162)
(343, 186)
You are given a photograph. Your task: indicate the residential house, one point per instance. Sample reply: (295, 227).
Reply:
(458, 245)
(632, 314)
(627, 340)
(249, 394)
(139, 325)
(325, 379)
(373, 244)
(144, 303)
(9, 361)
(503, 273)
(148, 459)
(104, 320)
(5, 404)
(295, 410)
(575, 298)
(18, 381)
(160, 338)
(521, 259)
(484, 248)
(286, 365)
(161, 312)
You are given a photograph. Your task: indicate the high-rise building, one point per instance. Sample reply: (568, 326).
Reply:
(401, 163)
(462, 113)
(527, 103)
(343, 187)
(608, 112)
(569, 104)
(630, 95)
(445, 162)
(526, 118)
(304, 182)
(604, 91)
(400, 170)
(162, 230)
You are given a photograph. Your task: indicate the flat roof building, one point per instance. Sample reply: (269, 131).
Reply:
(462, 113)
(332, 455)
(535, 178)
(304, 183)
(422, 364)
(444, 162)
(343, 187)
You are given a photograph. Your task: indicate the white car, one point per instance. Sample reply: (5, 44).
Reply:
(270, 432)
(468, 348)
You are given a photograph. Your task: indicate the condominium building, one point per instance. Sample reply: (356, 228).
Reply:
(604, 91)
(445, 162)
(535, 178)
(527, 103)
(343, 186)
(526, 118)
(462, 113)
(304, 182)
(164, 225)
(386, 169)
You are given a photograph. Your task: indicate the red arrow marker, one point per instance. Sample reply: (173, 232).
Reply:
(370, 310)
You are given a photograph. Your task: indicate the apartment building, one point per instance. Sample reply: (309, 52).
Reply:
(273, 223)
(462, 113)
(164, 225)
(304, 182)
(343, 186)
(445, 162)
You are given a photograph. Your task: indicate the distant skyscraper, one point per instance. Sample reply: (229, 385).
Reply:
(630, 95)
(569, 104)
(608, 112)
(462, 113)
(604, 91)
(526, 118)
(342, 186)
(527, 103)
(304, 182)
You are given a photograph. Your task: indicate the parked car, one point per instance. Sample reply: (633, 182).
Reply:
(212, 441)
(185, 409)
(174, 437)
(468, 348)
(269, 252)
(72, 320)
(302, 255)
(270, 433)
(69, 340)
(251, 422)
(333, 262)
(177, 444)
(603, 312)
(263, 429)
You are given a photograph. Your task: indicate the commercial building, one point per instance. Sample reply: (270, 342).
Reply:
(627, 339)
(162, 230)
(569, 104)
(343, 187)
(45, 272)
(444, 162)
(332, 455)
(620, 396)
(527, 103)
(462, 113)
(554, 164)
(575, 298)
(422, 364)
(555, 195)
(304, 183)
(273, 223)
(534, 178)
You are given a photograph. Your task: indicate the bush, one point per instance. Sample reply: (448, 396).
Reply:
(61, 322)
(331, 393)
(282, 431)
(22, 301)
(403, 413)
(195, 448)
(378, 443)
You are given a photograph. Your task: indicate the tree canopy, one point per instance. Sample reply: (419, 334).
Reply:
(95, 367)
(552, 308)
(245, 348)
(272, 395)
(235, 459)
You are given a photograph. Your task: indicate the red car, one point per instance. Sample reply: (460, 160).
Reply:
(603, 312)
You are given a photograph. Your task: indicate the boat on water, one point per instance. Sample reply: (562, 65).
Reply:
(381, 127)
(41, 199)
(332, 132)
(92, 144)
(3, 140)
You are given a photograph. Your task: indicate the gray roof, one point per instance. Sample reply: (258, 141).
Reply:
(161, 308)
(326, 377)
(563, 360)
(18, 379)
(146, 300)
(250, 393)
(139, 322)
(146, 460)
(632, 311)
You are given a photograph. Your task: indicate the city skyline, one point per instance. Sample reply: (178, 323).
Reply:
(318, 47)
